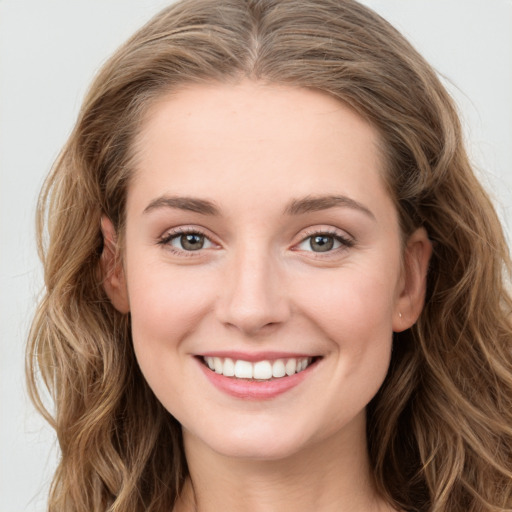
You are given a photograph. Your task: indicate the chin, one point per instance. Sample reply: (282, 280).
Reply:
(260, 452)
(250, 442)
(265, 438)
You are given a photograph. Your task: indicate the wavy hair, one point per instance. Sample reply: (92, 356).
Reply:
(440, 428)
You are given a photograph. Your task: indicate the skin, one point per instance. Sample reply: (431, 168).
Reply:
(258, 285)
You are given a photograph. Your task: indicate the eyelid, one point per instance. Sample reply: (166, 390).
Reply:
(347, 241)
(172, 233)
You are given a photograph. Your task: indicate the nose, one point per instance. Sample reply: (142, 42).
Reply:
(253, 298)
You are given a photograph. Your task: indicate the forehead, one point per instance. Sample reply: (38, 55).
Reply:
(264, 109)
(256, 137)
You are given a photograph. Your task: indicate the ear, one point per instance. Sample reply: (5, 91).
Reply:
(413, 283)
(112, 271)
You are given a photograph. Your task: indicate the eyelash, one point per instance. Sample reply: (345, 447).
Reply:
(178, 232)
(345, 242)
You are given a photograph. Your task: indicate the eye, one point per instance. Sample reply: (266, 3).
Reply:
(324, 242)
(187, 241)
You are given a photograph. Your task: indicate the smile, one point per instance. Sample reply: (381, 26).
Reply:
(259, 370)
(262, 376)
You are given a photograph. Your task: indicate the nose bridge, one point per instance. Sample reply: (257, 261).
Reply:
(253, 296)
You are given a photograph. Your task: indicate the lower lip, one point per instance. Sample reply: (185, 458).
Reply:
(253, 389)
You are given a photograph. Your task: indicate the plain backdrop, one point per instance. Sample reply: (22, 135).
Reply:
(50, 50)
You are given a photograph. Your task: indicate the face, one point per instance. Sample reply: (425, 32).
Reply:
(263, 266)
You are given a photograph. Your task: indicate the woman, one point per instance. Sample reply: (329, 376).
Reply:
(273, 280)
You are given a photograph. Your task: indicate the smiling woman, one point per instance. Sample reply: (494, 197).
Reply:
(281, 244)
(283, 295)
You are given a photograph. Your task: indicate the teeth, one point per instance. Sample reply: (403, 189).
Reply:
(229, 367)
(291, 366)
(261, 370)
(278, 369)
(243, 369)
(217, 365)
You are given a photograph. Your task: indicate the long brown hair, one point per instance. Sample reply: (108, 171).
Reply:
(440, 428)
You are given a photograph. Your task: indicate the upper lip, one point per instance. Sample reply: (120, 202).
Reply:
(255, 356)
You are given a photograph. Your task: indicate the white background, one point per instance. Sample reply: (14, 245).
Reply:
(49, 51)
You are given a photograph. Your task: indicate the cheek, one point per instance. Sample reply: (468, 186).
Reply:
(166, 309)
(353, 309)
(166, 306)
(350, 302)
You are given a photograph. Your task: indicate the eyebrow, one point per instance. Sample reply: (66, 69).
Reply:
(295, 207)
(190, 204)
(319, 203)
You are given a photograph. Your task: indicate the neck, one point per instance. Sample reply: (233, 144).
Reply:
(332, 475)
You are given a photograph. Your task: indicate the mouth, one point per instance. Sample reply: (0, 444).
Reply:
(260, 371)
